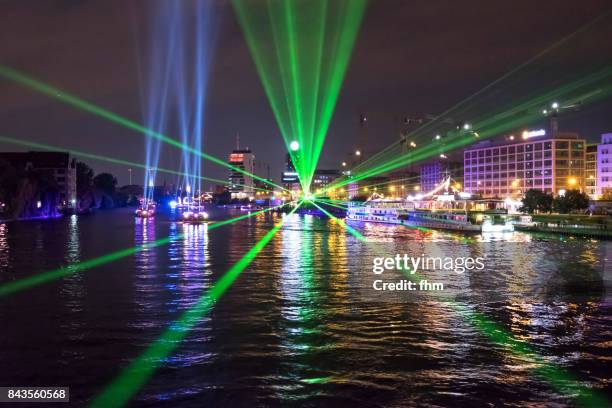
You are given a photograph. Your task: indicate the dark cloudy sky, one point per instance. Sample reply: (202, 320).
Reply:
(411, 58)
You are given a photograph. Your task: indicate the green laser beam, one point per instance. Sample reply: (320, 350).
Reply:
(332, 204)
(49, 276)
(46, 89)
(350, 229)
(588, 89)
(514, 72)
(41, 146)
(560, 379)
(136, 375)
(302, 72)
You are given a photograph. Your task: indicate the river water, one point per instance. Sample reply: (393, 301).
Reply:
(299, 326)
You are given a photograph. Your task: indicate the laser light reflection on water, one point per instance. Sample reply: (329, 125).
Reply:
(136, 375)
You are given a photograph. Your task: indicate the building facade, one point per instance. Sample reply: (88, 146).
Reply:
(366, 187)
(432, 174)
(552, 165)
(241, 185)
(289, 177)
(58, 165)
(604, 165)
(590, 171)
(323, 178)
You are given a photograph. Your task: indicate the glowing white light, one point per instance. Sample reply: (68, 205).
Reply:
(533, 133)
(188, 189)
(467, 126)
(151, 183)
(173, 204)
(555, 105)
(438, 137)
(294, 145)
(73, 201)
(357, 153)
(38, 204)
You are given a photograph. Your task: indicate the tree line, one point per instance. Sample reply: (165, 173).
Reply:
(539, 202)
(29, 193)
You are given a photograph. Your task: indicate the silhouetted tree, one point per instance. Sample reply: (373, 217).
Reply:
(572, 200)
(9, 181)
(84, 178)
(536, 201)
(105, 182)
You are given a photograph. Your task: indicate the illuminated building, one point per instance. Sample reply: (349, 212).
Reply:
(604, 165)
(322, 178)
(58, 165)
(535, 161)
(241, 185)
(289, 177)
(433, 173)
(590, 171)
(367, 187)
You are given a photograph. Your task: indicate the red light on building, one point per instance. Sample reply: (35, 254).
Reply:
(236, 158)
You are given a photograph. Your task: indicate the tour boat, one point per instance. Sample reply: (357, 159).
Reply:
(406, 213)
(145, 211)
(443, 208)
(195, 216)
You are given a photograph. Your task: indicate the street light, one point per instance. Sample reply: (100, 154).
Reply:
(555, 105)
(343, 164)
(438, 137)
(357, 153)
(294, 146)
(466, 126)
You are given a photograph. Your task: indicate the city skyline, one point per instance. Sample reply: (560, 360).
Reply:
(236, 102)
(334, 203)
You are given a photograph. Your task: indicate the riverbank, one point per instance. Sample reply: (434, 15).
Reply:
(595, 226)
(37, 218)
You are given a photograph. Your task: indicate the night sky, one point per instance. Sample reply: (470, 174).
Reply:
(411, 58)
